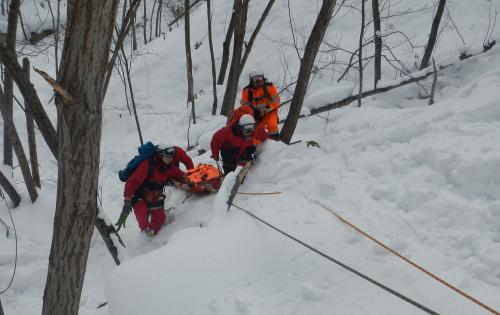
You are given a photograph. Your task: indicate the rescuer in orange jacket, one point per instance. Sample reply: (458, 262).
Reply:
(237, 142)
(261, 100)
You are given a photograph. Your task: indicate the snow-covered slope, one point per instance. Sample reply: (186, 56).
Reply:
(423, 180)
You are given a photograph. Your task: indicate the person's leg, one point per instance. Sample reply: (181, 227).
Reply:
(229, 159)
(141, 214)
(271, 121)
(157, 219)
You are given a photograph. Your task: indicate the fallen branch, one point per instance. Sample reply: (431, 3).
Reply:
(9, 189)
(419, 76)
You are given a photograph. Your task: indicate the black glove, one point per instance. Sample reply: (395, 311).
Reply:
(127, 208)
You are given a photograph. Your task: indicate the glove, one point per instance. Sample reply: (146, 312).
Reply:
(264, 110)
(127, 207)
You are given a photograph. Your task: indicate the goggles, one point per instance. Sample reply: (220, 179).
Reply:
(168, 152)
(257, 78)
(247, 128)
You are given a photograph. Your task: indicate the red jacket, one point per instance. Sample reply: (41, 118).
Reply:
(181, 156)
(231, 137)
(151, 180)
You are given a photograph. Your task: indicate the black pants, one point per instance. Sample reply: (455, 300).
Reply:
(230, 158)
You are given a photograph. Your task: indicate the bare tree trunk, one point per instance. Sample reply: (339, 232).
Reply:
(434, 82)
(145, 23)
(127, 23)
(30, 127)
(433, 35)
(31, 98)
(248, 47)
(360, 52)
(151, 21)
(189, 62)
(134, 34)
(240, 21)
(377, 39)
(306, 64)
(132, 98)
(1, 309)
(8, 81)
(158, 19)
(85, 55)
(18, 148)
(212, 58)
(225, 49)
(9, 189)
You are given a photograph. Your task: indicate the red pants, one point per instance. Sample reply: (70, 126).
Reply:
(152, 218)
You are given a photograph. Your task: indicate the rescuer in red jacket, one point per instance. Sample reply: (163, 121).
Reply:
(237, 143)
(144, 188)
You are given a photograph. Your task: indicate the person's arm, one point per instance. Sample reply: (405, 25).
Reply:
(260, 134)
(135, 181)
(244, 97)
(217, 141)
(274, 102)
(184, 158)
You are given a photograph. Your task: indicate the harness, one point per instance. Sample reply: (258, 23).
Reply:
(154, 190)
(252, 99)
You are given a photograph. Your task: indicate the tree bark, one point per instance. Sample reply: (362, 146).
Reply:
(306, 64)
(10, 45)
(31, 98)
(377, 39)
(240, 21)
(18, 149)
(189, 62)
(433, 35)
(248, 47)
(84, 59)
(30, 128)
(212, 57)
(225, 49)
(1, 309)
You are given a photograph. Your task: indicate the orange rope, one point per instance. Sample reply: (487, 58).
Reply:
(260, 193)
(490, 309)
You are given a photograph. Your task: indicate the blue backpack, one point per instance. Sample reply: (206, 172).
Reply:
(146, 151)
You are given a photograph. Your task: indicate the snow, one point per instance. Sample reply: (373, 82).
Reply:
(422, 179)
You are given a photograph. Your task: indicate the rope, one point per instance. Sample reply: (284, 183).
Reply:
(488, 308)
(15, 235)
(380, 285)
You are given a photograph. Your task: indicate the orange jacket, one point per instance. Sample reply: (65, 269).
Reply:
(260, 98)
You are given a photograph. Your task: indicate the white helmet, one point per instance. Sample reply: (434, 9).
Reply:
(255, 73)
(246, 123)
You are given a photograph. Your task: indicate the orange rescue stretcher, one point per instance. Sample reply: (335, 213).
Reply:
(202, 178)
